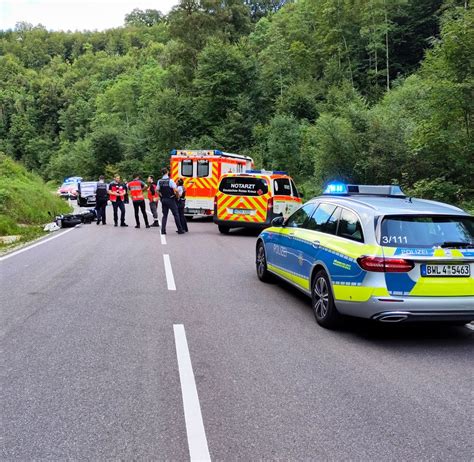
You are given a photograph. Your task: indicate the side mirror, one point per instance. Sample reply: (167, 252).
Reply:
(278, 221)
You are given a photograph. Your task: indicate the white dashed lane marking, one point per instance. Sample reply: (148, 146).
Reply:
(169, 272)
(197, 441)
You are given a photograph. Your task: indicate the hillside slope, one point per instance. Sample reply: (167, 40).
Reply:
(25, 201)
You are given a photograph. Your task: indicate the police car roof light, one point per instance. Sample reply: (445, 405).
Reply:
(338, 188)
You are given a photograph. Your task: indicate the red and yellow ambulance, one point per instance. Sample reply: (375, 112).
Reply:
(252, 199)
(201, 172)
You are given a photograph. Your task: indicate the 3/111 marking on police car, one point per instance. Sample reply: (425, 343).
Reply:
(169, 272)
(197, 441)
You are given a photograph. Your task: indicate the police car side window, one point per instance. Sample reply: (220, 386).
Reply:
(350, 227)
(300, 217)
(324, 219)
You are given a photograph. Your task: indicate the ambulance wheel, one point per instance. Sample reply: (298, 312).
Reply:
(261, 262)
(224, 229)
(322, 301)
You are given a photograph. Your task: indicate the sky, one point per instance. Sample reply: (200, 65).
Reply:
(74, 14)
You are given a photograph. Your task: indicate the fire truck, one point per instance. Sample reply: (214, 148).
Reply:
(201, 172)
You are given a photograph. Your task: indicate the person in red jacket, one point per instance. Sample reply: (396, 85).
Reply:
(117, 191)
(153, 198)
(136, 188)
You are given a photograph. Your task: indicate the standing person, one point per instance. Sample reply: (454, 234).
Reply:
(101, 198)
(168, 190)
(117, 191)
(136, 188)
(181, 204)
(153, 198)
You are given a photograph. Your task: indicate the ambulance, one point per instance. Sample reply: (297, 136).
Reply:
(201, 172)
(253, 199)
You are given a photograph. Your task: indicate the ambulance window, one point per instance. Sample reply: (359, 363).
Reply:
(324, 219)
(243, 186)
(295, 191)
(202, 168)
(350, 227)
(187, 167)
(281, 187)
(300, 218)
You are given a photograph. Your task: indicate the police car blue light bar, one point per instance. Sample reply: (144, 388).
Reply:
(336, 188)
(343, 189)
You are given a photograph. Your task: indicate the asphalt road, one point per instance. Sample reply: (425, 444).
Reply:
(90, 368)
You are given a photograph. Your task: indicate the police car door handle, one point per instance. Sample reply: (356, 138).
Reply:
(316, 244)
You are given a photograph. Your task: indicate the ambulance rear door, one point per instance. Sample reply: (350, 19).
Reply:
(200, 176)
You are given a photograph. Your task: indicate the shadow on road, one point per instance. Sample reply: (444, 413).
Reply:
(435, 334)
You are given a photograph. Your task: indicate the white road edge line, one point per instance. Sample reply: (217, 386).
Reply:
(163, 239)
(169, 272)
(197, 441)
(24, 249)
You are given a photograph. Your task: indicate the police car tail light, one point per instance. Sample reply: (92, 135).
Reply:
(385, 265)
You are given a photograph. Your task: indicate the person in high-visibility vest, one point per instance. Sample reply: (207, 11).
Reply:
(136, 188)
(153, 199)
(117, 191)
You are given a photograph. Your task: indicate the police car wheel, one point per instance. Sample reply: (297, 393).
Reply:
(224, 229)
(261, 262)
(322, 300)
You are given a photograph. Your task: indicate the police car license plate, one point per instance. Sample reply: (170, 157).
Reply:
(445, 270)
(242, 211)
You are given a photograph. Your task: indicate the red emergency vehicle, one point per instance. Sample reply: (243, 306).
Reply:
(201, 172)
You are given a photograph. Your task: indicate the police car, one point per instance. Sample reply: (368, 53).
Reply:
(371, 252)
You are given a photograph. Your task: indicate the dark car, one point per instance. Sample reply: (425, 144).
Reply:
(86, 193)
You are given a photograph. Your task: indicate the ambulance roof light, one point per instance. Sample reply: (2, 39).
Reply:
(267, 172)
(342, 189)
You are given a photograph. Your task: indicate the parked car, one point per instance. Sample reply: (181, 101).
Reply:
(68, 189)
(86, 193)
(372, 252)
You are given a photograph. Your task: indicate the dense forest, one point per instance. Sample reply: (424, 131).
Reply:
(371, 91)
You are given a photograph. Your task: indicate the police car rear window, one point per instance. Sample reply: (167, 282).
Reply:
(243, 186)
(426, 231)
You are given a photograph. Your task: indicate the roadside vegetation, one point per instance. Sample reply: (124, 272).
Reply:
(25, 201)
(368, 91)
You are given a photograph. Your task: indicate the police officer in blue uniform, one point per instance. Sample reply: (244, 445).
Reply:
(168, 192)
(101, 198)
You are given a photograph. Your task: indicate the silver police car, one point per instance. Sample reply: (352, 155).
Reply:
(372, 252)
